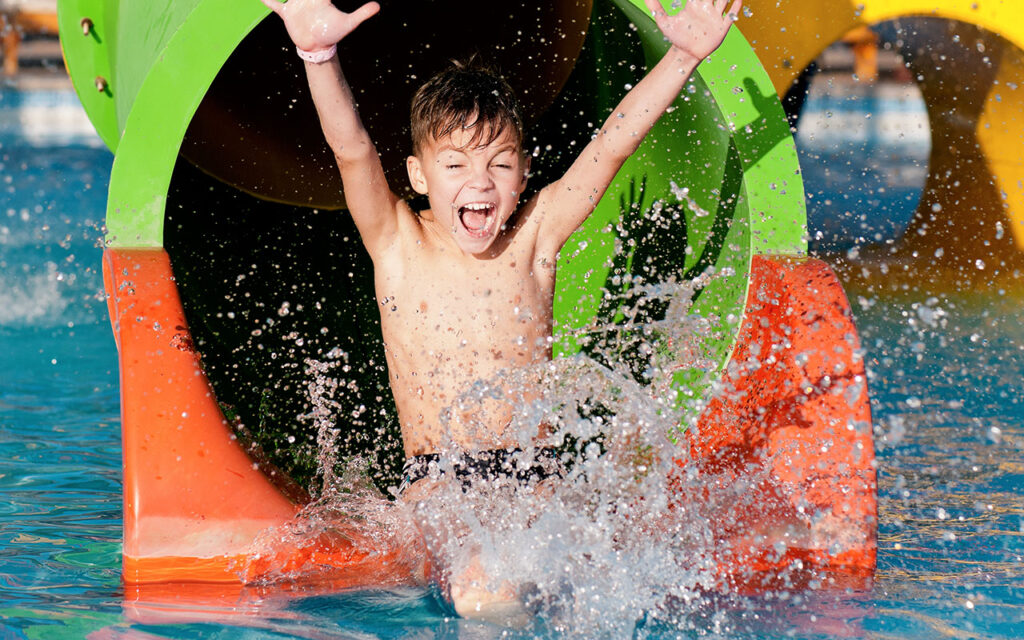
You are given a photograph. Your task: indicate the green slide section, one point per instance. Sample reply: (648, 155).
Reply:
(159, 59)
(727, 143)
(220, 160)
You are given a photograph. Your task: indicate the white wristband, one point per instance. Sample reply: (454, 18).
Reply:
(318, 56)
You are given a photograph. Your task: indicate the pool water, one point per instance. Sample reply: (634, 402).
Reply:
(944, 372)
(864, 156)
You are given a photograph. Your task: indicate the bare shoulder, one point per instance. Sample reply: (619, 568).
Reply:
(408, 218)
(408, 229)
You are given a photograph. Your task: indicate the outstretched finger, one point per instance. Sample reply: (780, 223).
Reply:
(368, 10)
(734, 10)
(274, 5)
(654, 7)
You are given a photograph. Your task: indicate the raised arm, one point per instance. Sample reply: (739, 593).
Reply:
(315, 27)
(694, 33)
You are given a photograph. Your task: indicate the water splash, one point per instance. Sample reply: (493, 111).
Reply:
(321, 389)
(34, 298)
(631, 535)
(347, 515)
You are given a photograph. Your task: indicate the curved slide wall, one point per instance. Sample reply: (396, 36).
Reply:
(968, 59)
(208, 239)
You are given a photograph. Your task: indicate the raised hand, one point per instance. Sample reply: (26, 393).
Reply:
(699, 27)
(317, 24)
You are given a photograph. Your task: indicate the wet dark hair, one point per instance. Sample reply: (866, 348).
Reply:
(466, 95)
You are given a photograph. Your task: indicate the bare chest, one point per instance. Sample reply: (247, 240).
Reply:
(445, 311)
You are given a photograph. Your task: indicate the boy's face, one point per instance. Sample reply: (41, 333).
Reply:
(473, 190)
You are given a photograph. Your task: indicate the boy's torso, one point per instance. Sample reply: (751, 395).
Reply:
(459, 333)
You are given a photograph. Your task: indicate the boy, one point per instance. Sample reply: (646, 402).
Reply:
(466, 287)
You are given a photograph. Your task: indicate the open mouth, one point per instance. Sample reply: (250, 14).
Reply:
(476, 218)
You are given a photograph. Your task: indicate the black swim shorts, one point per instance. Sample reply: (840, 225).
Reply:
(489, 465)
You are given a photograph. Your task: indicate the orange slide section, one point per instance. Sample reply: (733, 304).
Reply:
(795, 403)
(795, 406)
(193, 500)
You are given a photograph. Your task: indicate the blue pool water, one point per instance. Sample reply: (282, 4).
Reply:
(945, 374)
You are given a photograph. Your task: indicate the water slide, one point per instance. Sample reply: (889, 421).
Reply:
(968, 59)
(227, 266)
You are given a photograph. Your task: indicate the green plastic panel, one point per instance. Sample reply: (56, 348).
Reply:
(169, 94)
(87, 57)
(735, 157)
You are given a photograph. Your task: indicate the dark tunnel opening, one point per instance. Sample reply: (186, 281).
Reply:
(272, 279)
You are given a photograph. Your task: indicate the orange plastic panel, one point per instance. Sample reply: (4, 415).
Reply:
(794, 406)
(190, 492)
(194, 502)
